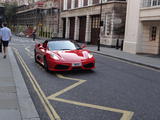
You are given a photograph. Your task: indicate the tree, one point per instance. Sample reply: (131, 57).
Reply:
(10, 12)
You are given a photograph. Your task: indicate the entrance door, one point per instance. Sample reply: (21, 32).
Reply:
(72, 26)
(64, 27)
(95, 29)
(82, 29)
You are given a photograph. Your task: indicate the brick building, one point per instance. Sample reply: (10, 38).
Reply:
(80, 20)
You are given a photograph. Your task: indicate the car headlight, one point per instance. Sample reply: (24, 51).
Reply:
(54, 56)
(90, 55)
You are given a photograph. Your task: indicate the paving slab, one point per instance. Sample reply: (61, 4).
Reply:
(9, 115)
(7, 89)
(9, 108)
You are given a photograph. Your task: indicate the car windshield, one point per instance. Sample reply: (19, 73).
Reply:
(62, 45)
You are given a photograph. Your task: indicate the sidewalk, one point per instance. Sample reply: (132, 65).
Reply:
(153, 62)
(15, 101)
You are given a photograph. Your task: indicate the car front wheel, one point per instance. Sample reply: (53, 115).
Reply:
(35, 56)
(45, 64)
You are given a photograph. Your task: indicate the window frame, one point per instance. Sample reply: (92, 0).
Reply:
(153, 33)
(150, 3)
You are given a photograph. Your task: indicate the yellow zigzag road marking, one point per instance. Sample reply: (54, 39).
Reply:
(30, 53)
(48, 107)
(68, 88)
(127, 115)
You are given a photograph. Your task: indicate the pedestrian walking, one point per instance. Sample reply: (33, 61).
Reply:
(0, 39)
(5, 36)
(34, 34)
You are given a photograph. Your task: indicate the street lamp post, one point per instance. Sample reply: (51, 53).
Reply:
(101, 24)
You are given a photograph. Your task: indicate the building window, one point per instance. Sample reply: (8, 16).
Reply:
(90, 2)
(96, 22)
(76, 3)
(106, 25)
(95, 1)
(154, 2)
(85, 3)
(72, 4)
(64, 4)
(150, 3)
(103, 1)
(153, 32)
(80, 3)
(69, 4)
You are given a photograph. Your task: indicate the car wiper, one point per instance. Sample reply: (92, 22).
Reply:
(65, 49)
(79, 48)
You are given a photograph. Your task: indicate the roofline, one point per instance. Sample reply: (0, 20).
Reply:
(27, 10)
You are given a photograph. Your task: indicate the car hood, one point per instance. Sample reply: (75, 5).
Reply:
(72, 55)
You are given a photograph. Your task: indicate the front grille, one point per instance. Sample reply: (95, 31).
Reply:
(61, 67)
(90, 65)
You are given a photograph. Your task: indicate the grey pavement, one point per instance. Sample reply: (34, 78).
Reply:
(15, 101)
(152, 61)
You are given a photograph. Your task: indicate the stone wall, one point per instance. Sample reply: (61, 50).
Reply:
(114, 17)
(148, 45)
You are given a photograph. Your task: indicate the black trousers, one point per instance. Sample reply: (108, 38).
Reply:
(34, 36)
(0, 45)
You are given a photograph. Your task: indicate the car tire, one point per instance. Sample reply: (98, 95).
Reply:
(45, 64)
(35, 59)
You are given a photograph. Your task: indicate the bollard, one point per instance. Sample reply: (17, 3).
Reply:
(122, 45)
(98, 43)
(117, 44)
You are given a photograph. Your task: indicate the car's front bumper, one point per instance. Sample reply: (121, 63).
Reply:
(87, 64)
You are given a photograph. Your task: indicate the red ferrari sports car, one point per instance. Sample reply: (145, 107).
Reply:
(63, 55)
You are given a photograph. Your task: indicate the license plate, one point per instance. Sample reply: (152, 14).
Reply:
(76, 64)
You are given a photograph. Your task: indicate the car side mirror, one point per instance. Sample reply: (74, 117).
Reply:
(40, 47)
(83, 46)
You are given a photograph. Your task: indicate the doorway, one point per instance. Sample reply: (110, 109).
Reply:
(82, 29)
(95, 29)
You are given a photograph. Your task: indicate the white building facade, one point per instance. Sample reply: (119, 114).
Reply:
(142, 32)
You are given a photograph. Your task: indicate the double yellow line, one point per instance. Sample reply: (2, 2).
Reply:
(48, 107)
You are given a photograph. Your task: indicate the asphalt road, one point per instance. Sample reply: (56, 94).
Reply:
(115, 90)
